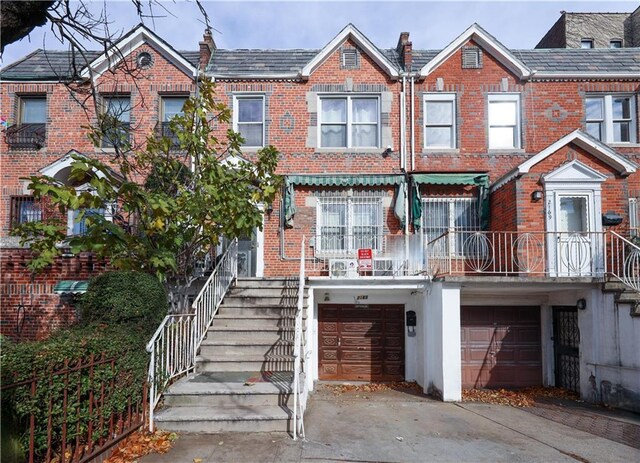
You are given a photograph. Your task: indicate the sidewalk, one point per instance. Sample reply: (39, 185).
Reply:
(392, 426)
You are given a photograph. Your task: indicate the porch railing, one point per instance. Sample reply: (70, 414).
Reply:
(174, 345)
(299, 350)
(623, 260)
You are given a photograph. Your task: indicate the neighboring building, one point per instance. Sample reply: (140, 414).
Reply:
(594, 30)
(495, 188)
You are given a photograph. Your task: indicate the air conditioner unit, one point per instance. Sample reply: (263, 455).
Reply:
(343, 268)
(383, 268)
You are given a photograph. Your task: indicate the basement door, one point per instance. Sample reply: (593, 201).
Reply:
(361, 343)
(566, 347)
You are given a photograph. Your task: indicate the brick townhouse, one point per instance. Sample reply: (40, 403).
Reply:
(468, 213)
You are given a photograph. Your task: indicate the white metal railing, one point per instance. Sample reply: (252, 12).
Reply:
(623, 260)
(174, 345)
(299, 400)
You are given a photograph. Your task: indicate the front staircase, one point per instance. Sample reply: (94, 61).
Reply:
(244, 369)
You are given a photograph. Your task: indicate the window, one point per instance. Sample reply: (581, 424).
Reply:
(24, 209)
(249, 120)
(586, 43)
(349, 122)
(30, 131)
(611, 118)
(504, 121)
(118, 112)
(345, 225)
(171, 107)
(80, 225)
(440, 121)
(616, 43)
(457, 216)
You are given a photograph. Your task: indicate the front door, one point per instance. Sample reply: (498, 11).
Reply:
(574, 241)
(566, 347)
(247, 253)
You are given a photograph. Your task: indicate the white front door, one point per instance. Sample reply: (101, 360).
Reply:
(574, 240)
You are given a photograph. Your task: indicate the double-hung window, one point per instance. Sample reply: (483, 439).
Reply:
(440, 120)
(171, 107)
(345, 225)
(611, 118)
(248, 119)
(504, 121)
(455, 218)
(117, 110)
(349, 122)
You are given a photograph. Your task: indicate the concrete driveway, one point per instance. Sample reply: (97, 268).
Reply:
(392, 426)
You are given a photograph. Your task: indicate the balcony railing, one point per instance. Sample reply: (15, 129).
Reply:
(26, 136)
(595, 255)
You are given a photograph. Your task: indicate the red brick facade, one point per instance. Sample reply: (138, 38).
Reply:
(549, 110)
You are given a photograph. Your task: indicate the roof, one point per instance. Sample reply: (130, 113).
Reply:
(581, 60)
(55, 65)
(245, 62)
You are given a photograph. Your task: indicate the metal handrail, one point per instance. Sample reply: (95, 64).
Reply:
(298, 339)
(624, 260)
(174, 345)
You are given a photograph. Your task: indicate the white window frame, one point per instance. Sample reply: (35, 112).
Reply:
(109, 210)
(634, 223)
(517, 136)
(23, 99)
(236, 113)
(449, 97)
(607, 122)
(351, 245)
(164, 99)
(456, 236)
(349, 123)
(588, 42)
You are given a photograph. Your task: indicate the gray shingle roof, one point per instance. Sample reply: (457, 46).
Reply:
(51, 65)
(55, 65)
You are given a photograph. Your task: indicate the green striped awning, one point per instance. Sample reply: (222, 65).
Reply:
(471, 178)
(71, 287)
(344, 180)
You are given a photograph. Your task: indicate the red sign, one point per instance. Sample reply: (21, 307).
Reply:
(365, 260)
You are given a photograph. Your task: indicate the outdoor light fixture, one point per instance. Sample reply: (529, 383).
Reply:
(269, 209)
(581, 303)
(387, 152)
(536, 195)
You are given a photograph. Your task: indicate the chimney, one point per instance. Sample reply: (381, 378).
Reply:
(404, 48)
(207, 46)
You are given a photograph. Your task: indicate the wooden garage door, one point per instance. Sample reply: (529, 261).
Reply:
(361, 343)
(501, 347)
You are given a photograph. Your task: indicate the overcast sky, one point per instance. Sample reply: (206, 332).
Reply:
(306, 24)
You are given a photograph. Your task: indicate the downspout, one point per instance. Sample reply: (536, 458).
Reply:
(413, 155)
(403, 124)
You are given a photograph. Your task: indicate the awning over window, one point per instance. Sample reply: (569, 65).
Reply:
(71, 287)
(330, 180)
(470, 178)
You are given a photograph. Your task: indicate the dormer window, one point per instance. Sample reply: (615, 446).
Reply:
(616, 43)
(586, 43)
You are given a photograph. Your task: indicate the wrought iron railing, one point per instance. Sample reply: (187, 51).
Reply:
(174, 345)
(623, 260)
(27, 136)
(299, 351)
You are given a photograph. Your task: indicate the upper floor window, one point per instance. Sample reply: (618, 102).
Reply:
(349, 122)
(30, 131)
(616, 43)
(611, 118)
(116, 131)
(345, 225)
(586, 43)
(170, 107)
(440, 120)
(24, 209)
(504, 121)
(248, 119)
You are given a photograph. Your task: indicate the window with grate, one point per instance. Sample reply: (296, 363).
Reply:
(457, 216)
(344, 225)
(471, 58)
(24, 209)
(349, 58)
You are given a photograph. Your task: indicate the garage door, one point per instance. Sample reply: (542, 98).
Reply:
(501, 347)
(361, 343)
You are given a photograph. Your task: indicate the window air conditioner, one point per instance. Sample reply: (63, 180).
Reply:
(343, 268)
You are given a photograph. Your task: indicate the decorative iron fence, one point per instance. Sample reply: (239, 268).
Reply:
(78, 420)
(26, 136)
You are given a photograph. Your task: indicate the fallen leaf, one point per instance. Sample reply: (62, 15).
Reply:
(197, 460)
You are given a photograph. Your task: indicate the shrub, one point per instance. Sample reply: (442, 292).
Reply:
(124, 297)
(123, 380)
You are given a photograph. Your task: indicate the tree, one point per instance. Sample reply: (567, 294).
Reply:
(168, 210)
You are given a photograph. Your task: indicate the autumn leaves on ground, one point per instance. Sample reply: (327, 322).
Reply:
(142, 443)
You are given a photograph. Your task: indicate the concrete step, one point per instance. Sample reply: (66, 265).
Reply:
(261, 310)
(628, 297)
(264, 321)
(250, 337)
(254, 301)
(252, 328)
(217, 349)
(291, 282)
(613, 286)
(242, 389)
(215, 419)
(268, 291)
(239, 363)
